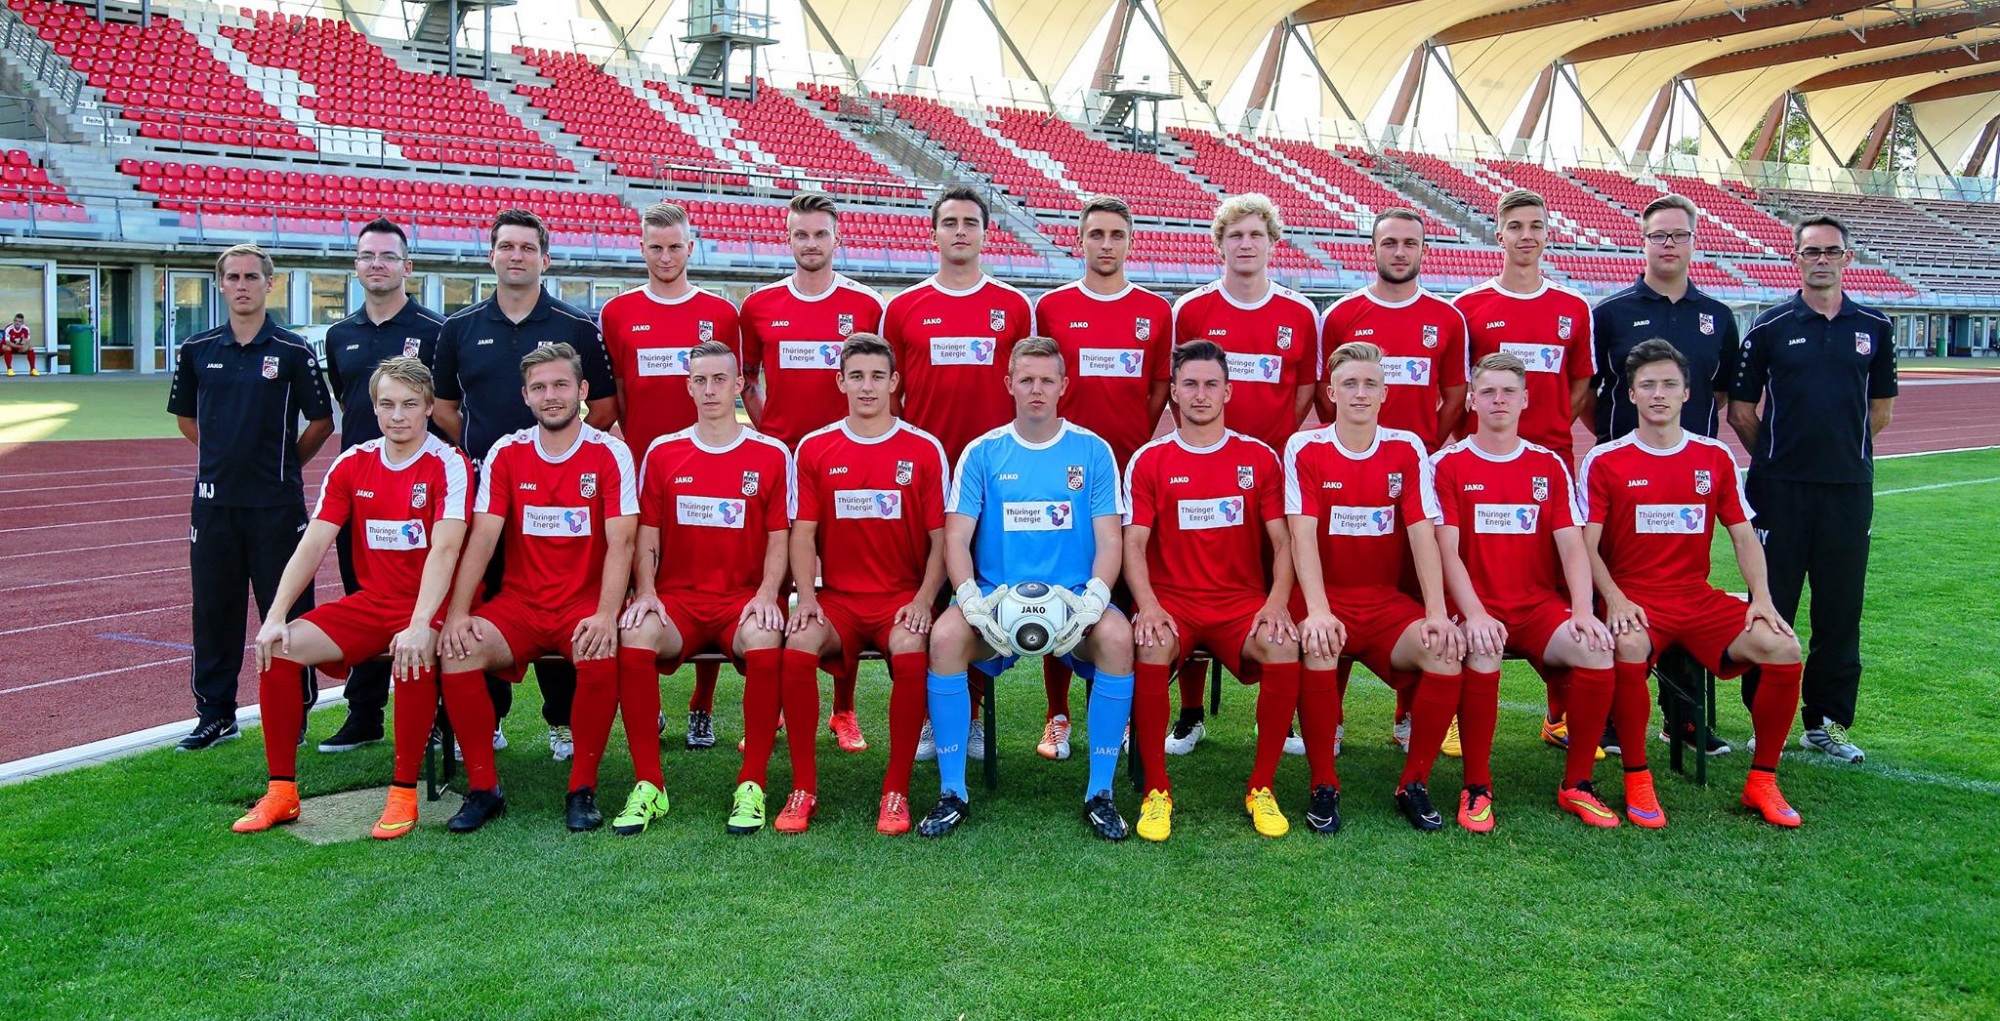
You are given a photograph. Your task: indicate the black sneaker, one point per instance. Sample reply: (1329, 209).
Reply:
(1323, 813)
(701, 730)
(944, 817)
(1101, 812)
(663, 725)
(1609, 742)
(355, 733)
(1415, 801)
(1716, 745)
(209, 733)
(580, 810)
(480, 808)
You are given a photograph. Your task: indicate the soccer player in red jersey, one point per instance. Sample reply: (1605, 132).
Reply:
(1509, 522)
(406, 494)
(952, 332)
(1270, 332)
(1546, 326)
(1361, 507)
(714, 513)
(792, 332)
(18, 339)
(1202, 503)
(648, 333)
(1422, 339)
(563, 497)
(1654, 497)
(1117, 338)
(871, 494)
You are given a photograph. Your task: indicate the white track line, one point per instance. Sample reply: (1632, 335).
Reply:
(96, 503)
(1938, 485)
(86, 581)
(178, 479)
(98, 673)
(1930, 453)
(130, 613)
(83, 524)
(87, 549)
(95, 471)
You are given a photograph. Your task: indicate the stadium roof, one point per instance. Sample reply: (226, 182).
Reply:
(1851, 60)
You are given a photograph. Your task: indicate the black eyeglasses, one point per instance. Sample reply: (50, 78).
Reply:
(1677, 237)
(1816, 254)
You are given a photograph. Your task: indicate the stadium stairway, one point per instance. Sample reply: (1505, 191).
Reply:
(848, 121)
(1400, 176)
(29, 67)
(507, 69)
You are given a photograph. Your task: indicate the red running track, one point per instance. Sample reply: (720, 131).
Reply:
(93, 570)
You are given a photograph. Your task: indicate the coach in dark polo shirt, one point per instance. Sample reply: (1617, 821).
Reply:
(388, 325)
(479, 393)
(239, 391)
(1824, 367)
(1665, 304)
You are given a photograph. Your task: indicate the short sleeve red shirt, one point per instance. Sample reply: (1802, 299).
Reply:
(1659, 509)
(556, 506)
(1423, 353)
(875, 501)
(1549, 329)
(715, 508)
(792, 341)
(952, 349)
(1364, 503)
(1507, 511)
(648, 339)
(1208, 508)
(394, 509)
(1115, 348)
(1272, 347)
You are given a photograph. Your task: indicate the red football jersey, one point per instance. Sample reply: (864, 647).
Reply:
(792, 341)
(648, 339)
(394, 508)
(1549, 329)
(17, 333)
(1506, 510)
(1366, 501)
(1208, 508)
(556, 506)
(876, 502)
(1115, 347)
(1659, 509)
(952, 349)
(1273, 346)
(1423, 352)
(715, 508)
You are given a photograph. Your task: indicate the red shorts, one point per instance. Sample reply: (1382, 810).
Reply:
(1703, 621)
(862, 622)
(1219, 622)
(1374, 628)
(1530, 628)
(706, 623)
(362, 626)
(531, 631)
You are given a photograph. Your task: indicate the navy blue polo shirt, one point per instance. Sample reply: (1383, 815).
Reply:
(357, 344)
(479, 356)
(247, 399)
(1816, 376)
(1700, 327)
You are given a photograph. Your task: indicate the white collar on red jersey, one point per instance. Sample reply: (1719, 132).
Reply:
(1181, 442)
(1520, 445)
(895, 427)
(581, 435)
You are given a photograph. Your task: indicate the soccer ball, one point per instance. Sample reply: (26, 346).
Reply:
(1032, 615)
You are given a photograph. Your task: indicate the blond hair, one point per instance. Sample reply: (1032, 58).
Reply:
(1353, 351)
(233, 251)
(410, 372)
(548, 354)
(1036, 347)
(1236, 207)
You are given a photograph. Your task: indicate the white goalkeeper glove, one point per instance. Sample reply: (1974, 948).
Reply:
(978, 611)
(1084, 611)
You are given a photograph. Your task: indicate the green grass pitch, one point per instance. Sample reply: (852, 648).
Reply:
(123, 893)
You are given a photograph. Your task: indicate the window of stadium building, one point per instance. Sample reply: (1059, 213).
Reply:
(460, 291)
(22, 292)
(327, 297)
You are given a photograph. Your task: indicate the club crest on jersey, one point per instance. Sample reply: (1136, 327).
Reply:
(1142, 328)
(1703, 483)
(704, 330)
(1863, 344)
(1430, 335)
(411, 345)
(1395, 485)
(905, 471)
(996, 319)
(1076, 477)
(750, 483)
(1284, 338)
(1563, 327)
(1246, 476)
(420, 494)
(1541, 488)
(1706, 324)
(587, 485)
(271, 364)
(846, 324)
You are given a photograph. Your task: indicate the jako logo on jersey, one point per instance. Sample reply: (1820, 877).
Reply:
(1703, 484)
(776, 323)
(420, 494)
(1177, 480)
(1364, 333)
(642, 327)
(587, 485)
(1079, 326)
(933, 321)
(1630, 483)
(839, 469)
(1500, 325)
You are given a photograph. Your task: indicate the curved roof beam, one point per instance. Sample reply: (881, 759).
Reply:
(1543, 15)
(1835, 44)
(1717, 26)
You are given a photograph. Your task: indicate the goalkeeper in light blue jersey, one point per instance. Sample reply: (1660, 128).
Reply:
(1036, 500)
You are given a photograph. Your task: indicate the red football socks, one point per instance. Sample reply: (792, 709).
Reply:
(762, 694)
(1149, 722)
(1319, 720)
(591, 713)
(1277, 700)
(416, 712)
(1056, 677)
(1590, 694)
(1478, 715)
(1772, 710)
(908, 703)
(801, 703)
(1433, 702)
(1632, 711)
(639, 704)
(281, 694)
(471, 710)
(703, 698)
(843, 690)
(1193, 678)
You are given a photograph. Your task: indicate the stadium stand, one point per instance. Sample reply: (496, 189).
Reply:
(431, 118)
(1731, 208)
(1235, 169)
(1712, 234)
(943, 125)
(1585, 217)
(863, 234)
(611, 120)
(26, 191)
(1363, 195)
(1192, 250)
(779, 126)
(164, 79)
(1870, 282)
(1095, 166)
(1448, 267)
